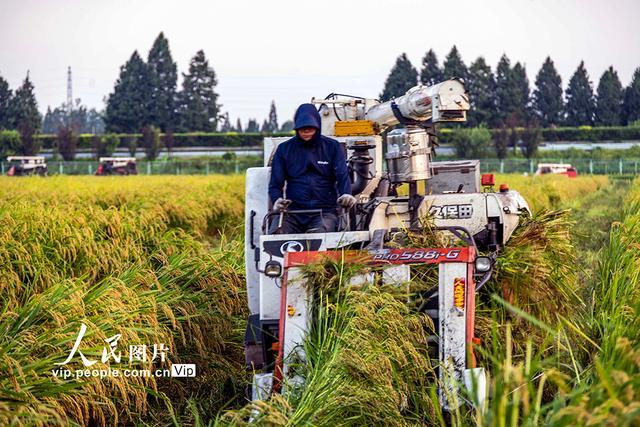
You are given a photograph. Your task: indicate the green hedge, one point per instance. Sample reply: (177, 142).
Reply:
(582, 133)
(193, 139)
(202, 139)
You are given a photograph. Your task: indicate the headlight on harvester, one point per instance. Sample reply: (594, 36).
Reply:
(273, 269)
(483, 264)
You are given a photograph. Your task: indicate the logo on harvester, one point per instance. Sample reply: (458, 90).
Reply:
(292, 246)
(458, 293)
(279, 247)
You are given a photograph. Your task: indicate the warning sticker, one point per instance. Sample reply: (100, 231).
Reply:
(458, 292)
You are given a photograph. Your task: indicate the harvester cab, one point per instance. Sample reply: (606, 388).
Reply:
(26, 165)
(117, 166)
(411, 194)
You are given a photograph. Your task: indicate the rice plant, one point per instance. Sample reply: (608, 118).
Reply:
(138, 257)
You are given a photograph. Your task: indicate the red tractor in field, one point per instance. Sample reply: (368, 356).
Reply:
(117, 166)
(557, 168)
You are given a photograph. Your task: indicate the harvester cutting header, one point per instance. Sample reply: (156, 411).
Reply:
(375, 217)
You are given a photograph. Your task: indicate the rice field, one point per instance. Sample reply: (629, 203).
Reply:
(158, 260)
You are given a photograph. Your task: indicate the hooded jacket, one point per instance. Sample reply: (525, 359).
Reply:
(315, 171)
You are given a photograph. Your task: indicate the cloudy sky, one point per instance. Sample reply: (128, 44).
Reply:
(292, 50)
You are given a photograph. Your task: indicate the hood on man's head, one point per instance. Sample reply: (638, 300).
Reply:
(307, 116)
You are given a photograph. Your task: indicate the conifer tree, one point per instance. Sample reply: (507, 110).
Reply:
(506, 91)
(580, 106)
(238, 126)
(273, 118)
(163, 77)
(199, 108)
(287, 126)
(454, 65)
(5, 100)
(609, 99)
(431, 73)
(481, 87)
(226, 123)
(547, 96)
(252, 126)
(521, 84)
(631, 102)
(23, 108)
(403, 76)
(127, 106)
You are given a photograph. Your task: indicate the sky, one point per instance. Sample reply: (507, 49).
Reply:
(292, 50)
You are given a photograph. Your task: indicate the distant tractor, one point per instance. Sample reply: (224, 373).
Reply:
(26, 165)
(117, 166)
(557, 168)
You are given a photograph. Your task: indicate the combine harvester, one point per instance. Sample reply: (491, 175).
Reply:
(451, 195)
(117, 166)
(27, 165)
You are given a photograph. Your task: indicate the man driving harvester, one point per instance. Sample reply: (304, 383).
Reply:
(314, 169)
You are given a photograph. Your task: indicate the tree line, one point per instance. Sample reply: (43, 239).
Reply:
(504, 98)
(146, 94)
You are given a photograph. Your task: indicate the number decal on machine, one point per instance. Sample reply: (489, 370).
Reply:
(416, 255)
(451, 211)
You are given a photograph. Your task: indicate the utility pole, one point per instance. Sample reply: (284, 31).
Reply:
(69, 92)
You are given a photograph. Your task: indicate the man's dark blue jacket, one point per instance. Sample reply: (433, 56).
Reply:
(315, 171)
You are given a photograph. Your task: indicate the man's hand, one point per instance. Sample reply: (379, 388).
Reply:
(347, 201)
(281, 204)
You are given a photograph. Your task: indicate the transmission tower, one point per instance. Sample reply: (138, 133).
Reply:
(69, 92)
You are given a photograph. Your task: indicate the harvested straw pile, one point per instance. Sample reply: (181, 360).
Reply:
(122, 258)
(367, 362)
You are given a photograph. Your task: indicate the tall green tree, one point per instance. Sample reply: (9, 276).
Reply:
(547, 96)
(580, 106)
(609, 99)
(273, 118)
(252, 126)
(23, 108)
(454, 65)
(631, 101)
(79, 117)
(287, 126)
(163, 78)
(531, 139)
(403, 76)
(127, 106)
(238, 125)
(506, 94)
(480, 86)
(198, 100)
(431, 73)
(151, 142)
(226, 123)
(5, 101)
(521, 84)
(67, 142)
